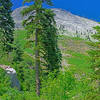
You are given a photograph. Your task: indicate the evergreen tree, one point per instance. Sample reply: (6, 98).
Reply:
(6, 25)
(42, 24)
(95, 52)
(48, 38)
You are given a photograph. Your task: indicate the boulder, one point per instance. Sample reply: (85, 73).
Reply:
(13, 76)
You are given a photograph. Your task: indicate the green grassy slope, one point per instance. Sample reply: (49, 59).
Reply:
(77, 49)
(74, 82)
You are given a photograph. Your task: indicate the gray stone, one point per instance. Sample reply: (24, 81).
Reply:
(67, 23)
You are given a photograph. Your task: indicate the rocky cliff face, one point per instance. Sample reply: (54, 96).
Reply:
(67, 23)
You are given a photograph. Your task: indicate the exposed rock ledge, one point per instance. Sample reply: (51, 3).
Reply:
(67, 23)
(13, 76)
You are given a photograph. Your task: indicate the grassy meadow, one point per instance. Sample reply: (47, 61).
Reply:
(74, 82)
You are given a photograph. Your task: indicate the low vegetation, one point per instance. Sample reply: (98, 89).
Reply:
(44, 65)
(75, 81)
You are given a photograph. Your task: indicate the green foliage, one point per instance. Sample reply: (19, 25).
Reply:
(66, 86)
(17, 95)
(48, 47)
(77, 82)
(48, 2)
(95, 53)
(41, 25)
(4, 82)
(6, 25)
(97, 35)
(26, 75)
(51, 52)
(22, 61)
(80, 61)
(74, 82)
(58, 88)
(95, 60)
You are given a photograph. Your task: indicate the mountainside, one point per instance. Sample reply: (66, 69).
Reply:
(67, 23)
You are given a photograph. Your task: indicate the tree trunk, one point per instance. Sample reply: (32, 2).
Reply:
(37, 63)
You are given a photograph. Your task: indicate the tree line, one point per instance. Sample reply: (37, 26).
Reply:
(42, 27)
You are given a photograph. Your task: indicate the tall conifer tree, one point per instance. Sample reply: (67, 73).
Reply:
(41, 23)
(6, 25)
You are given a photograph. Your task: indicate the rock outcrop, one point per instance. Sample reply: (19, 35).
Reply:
(13, 76)
(67, 23)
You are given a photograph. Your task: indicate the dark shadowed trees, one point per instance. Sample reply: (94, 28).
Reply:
(42, 25)
(6, 25)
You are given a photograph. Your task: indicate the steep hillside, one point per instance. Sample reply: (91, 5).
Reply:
(74, 50)
(67, 23)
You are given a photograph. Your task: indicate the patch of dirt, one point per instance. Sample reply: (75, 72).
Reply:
(74, 45)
